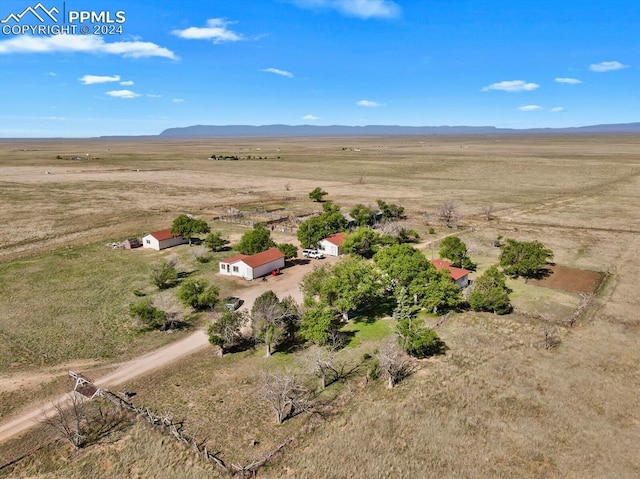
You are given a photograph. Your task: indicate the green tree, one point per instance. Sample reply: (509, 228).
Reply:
(406, 235)
(331, 221)
(311, 231)
(226, 330)
(148, 314)
(189, 227)
(273, 321)
(402, 263)
(362, 215)
(353, 284)
(490, 292)
(215, 242)
(288, 250)
(363, 241)
(441, 294)
(318, 323)
(198, 294)
(164, 274)
(404, 309)
(255, 241)
(313, 282)
(454, 249)
(524, 258)
(418, 340)
(317, 194)
(419, 285)
(390, 211)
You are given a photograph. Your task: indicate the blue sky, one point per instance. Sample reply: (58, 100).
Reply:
(138, 67)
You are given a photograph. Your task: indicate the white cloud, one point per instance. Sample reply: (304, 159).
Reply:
(310, 117)
(92, 79)
(52, 74)
(557, 109)
(512, 86)
(355, 8)
(123, 94)
(569, 81)
(606, 66)
(215, 30)
(530, 108)
(368, 103)
(82, 44)
(126, 83)
(276, 71)
(177, 100)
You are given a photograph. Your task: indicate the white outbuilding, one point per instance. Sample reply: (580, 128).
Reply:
(332, 245)
(253, 266)
(162, 239)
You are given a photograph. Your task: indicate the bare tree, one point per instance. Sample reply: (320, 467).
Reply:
(329, 368)
(75, 421)
(394, 363)
(448, 213)
(550, 335)
(200, 253)
(286, 395)
(426, 217)
(273, 320)
(172, 310)
(69, 420)
(487, 212)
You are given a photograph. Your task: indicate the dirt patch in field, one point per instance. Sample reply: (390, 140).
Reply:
(570, 279)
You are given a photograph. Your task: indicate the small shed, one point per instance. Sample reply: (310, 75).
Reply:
(162, 239)
(460, 276)
(253, 266)
(332, 245)
(131, 243)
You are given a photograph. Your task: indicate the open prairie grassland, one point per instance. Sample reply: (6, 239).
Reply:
(496, 405)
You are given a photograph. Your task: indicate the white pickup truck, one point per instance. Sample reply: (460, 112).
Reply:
(312, 253)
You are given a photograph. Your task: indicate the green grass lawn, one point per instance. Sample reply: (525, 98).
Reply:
(364, 331)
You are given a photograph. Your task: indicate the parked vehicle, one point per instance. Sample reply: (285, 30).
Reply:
(232, 303)
(312, 253)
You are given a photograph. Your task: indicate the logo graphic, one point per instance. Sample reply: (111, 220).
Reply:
(40, 20)
(34, 11)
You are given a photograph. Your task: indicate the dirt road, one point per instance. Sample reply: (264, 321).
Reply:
(284, 285)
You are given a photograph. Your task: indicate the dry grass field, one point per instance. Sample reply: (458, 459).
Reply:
(496, 405)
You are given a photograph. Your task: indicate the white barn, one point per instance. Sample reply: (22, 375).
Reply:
(162, 239)
(331, 245)
(253, 266)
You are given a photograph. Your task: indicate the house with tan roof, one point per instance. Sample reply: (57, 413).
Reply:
(162, 239)
(253, 266)
(332, 245)
(460, 276)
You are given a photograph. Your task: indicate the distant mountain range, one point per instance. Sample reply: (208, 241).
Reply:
(383, 130)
